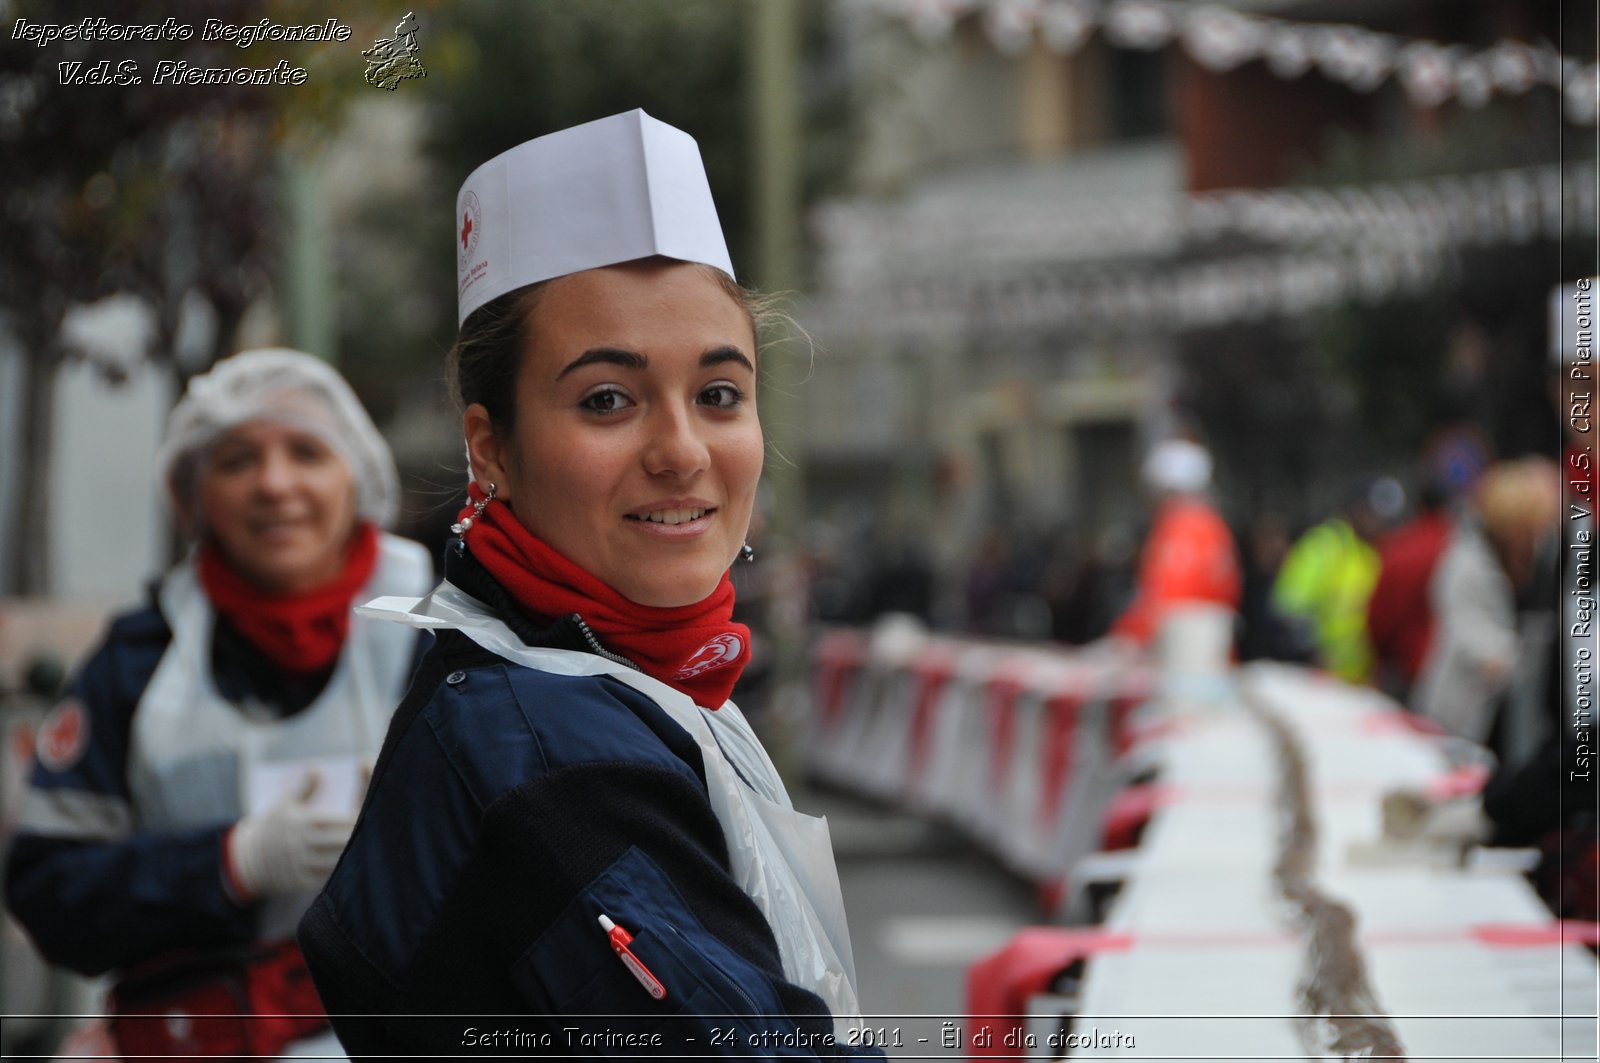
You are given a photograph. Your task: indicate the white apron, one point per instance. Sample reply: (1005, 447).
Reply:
(782, 858)
(191, 751)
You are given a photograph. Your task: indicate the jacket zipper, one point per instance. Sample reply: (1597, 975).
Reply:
(594, 643)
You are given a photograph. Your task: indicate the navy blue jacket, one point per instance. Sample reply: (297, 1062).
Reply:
(95, 892)
(509, 810)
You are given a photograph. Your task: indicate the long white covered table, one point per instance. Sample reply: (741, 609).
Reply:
(1462, 962)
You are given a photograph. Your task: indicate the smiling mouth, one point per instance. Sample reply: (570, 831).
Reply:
(671, 516)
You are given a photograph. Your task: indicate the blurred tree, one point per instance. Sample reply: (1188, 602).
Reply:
(173, 193)
(166, 193)
(1471, 350)
(1360, 386)
(1277, 421)
(1392, 353)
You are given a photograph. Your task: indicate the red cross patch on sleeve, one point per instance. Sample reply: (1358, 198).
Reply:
(63, 736)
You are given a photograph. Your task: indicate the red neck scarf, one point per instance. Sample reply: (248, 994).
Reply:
(300, 633)
(697, 648)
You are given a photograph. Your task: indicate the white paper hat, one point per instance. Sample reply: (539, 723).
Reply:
(1572, 320)
(600, 193)
(1178, 465)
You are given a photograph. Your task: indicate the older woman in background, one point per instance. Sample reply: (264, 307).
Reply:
(198, 781)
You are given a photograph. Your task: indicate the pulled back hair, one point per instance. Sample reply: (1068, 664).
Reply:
(483, 365)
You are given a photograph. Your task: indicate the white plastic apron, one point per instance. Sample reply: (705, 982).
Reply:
(191, 750)
(782, 858)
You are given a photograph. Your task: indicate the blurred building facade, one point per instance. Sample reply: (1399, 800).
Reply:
(1074, 226)
(1080, 227)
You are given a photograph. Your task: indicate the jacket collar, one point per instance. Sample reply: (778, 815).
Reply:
(469, 574)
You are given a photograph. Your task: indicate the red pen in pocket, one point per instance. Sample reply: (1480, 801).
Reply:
(620, 940)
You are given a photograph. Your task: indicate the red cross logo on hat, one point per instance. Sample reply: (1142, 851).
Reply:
(471, 226)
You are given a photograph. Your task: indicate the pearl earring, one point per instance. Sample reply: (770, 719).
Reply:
(465, 523)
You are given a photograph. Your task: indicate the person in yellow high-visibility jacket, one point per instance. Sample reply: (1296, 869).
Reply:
(1327, 579)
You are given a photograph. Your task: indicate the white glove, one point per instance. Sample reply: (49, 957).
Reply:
(289, 848)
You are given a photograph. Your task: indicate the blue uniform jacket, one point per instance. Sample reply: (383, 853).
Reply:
(95, 892)
(509, 810)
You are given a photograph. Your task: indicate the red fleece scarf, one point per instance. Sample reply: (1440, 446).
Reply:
(300, 633)
(697, 648)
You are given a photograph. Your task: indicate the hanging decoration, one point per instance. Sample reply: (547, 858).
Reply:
(1142, 24)
(1010, 24)
(1221, 38)
(1067, 24)
(909, 270)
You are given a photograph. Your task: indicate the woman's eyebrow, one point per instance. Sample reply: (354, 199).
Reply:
(606, 356)
(725, 354)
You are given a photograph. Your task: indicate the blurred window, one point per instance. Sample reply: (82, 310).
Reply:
(1136, 83)
(992, 448)
(1107, 473)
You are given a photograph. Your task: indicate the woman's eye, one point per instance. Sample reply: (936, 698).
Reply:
(311, 452)
(607, 401)
(230, 462)
(721, 396)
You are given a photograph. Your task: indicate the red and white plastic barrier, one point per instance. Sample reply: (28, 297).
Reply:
(1015, 744)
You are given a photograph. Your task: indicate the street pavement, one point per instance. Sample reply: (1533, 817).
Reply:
(923, 903)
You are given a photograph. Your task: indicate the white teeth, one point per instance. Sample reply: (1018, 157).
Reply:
(674, 516)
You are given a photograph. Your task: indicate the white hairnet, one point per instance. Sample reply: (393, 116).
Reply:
(1178, 465)
(287, 387)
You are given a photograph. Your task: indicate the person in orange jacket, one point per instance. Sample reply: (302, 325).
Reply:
(1189, 555)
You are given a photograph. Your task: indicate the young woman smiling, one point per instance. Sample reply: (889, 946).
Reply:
(570, 822)
(631, 442)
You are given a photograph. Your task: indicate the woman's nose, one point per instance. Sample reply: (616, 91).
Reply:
(276, 472)
(675, 447)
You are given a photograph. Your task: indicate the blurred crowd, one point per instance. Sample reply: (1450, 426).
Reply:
(1354, 590)
(1443, 585)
